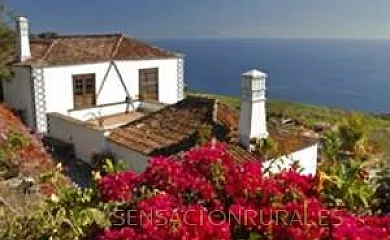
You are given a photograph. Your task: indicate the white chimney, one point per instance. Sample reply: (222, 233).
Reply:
(253, 116)
(23, 51)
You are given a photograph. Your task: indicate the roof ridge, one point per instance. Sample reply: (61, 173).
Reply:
(88, 35)
(116, 47)
(149, 44)
(54, 42)
(42, 40)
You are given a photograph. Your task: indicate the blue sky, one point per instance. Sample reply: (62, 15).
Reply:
(211, 18)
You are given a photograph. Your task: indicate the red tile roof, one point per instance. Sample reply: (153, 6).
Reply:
(170, 127)
(240, 154)
(76, 49)
(173, 129)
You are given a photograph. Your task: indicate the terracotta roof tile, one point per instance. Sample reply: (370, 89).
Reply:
(173, 125)
(289, 141)
(38, 49)
(227, 116)
(76, 49)
(240, 154)
(172, 129)
(138, 49)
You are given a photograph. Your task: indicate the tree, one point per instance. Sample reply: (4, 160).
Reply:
(48, 35)
(6, 46)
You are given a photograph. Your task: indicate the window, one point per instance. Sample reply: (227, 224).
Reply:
(84, 91)
(148, 84)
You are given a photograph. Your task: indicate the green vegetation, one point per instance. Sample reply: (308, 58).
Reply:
(6, 46)
(266, 147)
(69, 213)
(95, 213)
(343, 178)
(9, 164)
(382, 192)
(351, 145)
(349, 140)
(346, 185)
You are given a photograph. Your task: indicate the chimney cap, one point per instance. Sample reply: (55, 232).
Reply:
(21, 19)
(255, 73)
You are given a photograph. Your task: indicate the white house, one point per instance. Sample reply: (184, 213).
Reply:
(111, 92)
(88, 76)
(174, 129)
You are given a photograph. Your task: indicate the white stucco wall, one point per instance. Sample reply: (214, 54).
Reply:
(86, 139)
(306, 158)
(134, 160)
(167, 70)
(18, 94)
(59, 82)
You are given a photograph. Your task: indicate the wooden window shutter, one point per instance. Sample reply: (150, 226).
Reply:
(84, 91)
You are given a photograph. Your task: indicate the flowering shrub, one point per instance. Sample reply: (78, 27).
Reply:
(20, 152)
(117, 187)
(209, 195)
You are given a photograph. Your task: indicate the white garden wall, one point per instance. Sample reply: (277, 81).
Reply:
(134, 160)
(88, 139)
(85, 138)
(306, 157)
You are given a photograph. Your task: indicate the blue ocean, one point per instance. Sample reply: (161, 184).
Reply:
(349, 74)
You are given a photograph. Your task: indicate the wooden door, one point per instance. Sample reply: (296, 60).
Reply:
(148, 84)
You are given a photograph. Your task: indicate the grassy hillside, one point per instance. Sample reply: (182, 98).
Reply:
(377, 126)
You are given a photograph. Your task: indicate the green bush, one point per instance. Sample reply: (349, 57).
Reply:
(345, 185)
(9, 163)
(382, 193)
(106, 162)
(352, 132)
(71, 213)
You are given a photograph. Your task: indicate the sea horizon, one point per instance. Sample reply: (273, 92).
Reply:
(262, 38)
(349, 74)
